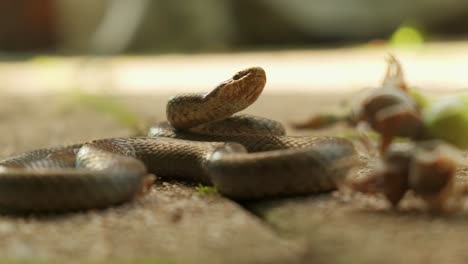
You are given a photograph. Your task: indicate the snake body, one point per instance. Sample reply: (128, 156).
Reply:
(244, 157)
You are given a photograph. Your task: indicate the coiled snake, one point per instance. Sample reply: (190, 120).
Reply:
(244, 157)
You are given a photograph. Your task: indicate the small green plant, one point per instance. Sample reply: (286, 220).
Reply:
(206, 190)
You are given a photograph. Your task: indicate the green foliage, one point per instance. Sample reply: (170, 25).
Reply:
(447, 119)
(206, 190)
(421, 101)
(407, 35)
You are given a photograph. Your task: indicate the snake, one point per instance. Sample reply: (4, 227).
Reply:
(204, 140)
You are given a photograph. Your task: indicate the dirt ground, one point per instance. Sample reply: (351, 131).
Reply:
(176, 223)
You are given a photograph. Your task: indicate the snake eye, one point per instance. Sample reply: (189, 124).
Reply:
(239, 75)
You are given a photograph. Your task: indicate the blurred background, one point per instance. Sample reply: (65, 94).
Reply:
(77, 70)
(161, 26)
(175, 45)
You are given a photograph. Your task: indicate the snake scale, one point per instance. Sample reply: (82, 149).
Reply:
(244, 157)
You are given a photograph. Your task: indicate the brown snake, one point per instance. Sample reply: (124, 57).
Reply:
(244, 157)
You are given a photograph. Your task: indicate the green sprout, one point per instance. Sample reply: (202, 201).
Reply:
(206, 190)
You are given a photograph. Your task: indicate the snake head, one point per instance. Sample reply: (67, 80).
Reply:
(229, 97)
(246, 86)
(254, 71)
